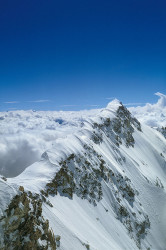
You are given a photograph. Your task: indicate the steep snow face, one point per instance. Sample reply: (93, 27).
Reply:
(153, 115)
(100, 187)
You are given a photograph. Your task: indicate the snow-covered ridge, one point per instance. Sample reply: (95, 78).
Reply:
(100, 187)
(25, 135)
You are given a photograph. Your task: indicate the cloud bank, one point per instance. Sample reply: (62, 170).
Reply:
(153, 115)
(25, 135)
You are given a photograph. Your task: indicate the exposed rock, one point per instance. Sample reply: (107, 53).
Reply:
(119, 129)
(162, 130)
(24, 226)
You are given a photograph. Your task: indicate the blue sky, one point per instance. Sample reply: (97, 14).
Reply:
(71, 55)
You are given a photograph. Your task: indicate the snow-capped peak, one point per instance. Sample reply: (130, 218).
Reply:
(114, 105)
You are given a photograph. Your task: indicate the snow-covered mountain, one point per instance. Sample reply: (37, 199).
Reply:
(100, 186)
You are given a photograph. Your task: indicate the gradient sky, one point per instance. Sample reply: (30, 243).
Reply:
(71, 55)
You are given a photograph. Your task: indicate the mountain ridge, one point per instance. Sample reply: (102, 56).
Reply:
(100, 167)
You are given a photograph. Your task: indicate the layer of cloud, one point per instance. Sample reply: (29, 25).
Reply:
(11, 102)
(134, 103)
(153, 115)
(92, 105)
(16, 154)
(25, 135)
(39, 101)
(110, 98)
(11, 108)
(69, 105)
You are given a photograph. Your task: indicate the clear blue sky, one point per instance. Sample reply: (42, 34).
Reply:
(81, 52)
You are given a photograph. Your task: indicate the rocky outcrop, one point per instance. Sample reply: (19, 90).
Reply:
(119, 129)
(162, 130)
(23, 225)
(78, 176)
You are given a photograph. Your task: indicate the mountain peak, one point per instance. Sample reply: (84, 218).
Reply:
(114, 105)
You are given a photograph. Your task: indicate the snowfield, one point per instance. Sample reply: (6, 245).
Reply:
(99, 184)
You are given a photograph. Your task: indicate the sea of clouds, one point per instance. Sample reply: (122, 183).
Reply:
(25, 135)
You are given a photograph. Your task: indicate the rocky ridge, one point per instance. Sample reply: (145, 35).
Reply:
(84, 173)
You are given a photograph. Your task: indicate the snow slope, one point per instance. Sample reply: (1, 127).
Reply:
(101, 187)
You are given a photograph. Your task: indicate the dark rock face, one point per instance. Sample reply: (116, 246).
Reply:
(162, 130)
(78, 176)
(118, 129)
(24, 226)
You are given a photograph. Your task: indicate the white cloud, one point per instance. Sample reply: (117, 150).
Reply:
(11, 102)
(153, 115)
(39, 101)
(25, 135)
(16, 154)
(134, 103)
(92, 105)
(12, 108)
(110, 98)
(69, 105)
(162, 101)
